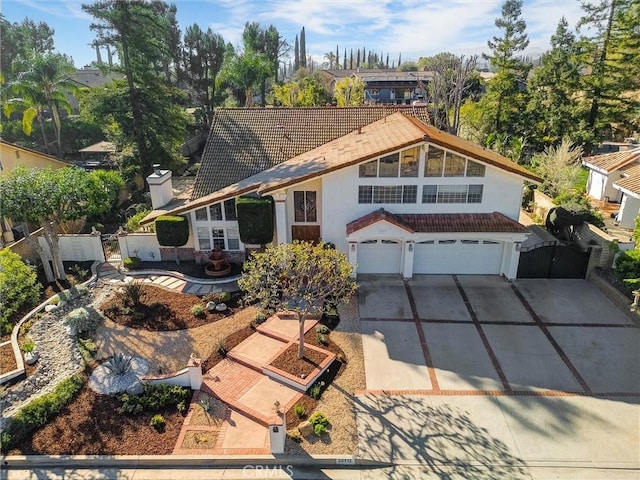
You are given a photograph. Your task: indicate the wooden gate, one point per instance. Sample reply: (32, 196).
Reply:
(553, 260)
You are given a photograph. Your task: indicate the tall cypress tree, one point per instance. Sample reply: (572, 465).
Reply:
(358, 60)
(337, 57)
(296, 57)
(344, 60)
(351, 60)
(303, 51)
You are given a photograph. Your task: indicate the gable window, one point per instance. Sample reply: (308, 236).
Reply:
(441, 163)
(215, 212)
(452, 194)
(230, 210)
(304, 206)
(399, 164)
(201, 214)
(387, 194)
(218, 212)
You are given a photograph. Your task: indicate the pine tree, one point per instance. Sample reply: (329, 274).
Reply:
(303, 51)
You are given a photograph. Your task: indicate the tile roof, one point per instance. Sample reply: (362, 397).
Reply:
(442, 222)
(610, 162)
(631, 179)
(246, 141)
(93, 77)
(472, 150)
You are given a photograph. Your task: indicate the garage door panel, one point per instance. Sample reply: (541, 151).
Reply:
(379, 257)
(458, 258)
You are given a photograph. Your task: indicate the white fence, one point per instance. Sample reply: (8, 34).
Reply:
(143, 245)
(77, 248)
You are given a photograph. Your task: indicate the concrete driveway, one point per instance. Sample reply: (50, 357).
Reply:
(545, 370)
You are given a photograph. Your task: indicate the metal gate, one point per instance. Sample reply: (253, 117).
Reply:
(553, 260)
(111, 247)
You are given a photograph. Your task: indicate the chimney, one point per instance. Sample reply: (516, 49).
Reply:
(160, 187)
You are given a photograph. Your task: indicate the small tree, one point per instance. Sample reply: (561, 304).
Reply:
(349, 92)
(18, 286)
(172, 231)
(559, 167)
(297, 277)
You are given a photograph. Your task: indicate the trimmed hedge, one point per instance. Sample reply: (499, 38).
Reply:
(628, 265)
(40, 411)
(255, 219)
(172, 230)
(18, 287)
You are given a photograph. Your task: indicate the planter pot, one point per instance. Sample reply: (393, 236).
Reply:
(8, 237)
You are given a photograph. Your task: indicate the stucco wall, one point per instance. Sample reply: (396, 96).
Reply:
(502, 193)
(14, 156)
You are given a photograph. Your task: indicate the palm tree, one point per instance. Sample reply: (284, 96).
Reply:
(42, 86)
(331, 59)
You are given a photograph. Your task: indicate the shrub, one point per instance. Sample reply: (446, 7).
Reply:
(88, 349)
(217, 297)
(78, 271)
(119, 364)
(321, 339)
(316, 390)
(319, 418)
(28, 346)
(18, 287)
(131, 263)
(322, 328)
(133, 224)
(40, 411)
(172, 230)
(221, 346)
(205, 403)
(628, 264)
(154, 399)
(255, 219)
(131, 293)
(319, 430)
(84, 319)
(198, 311)
(158, 422)
(260, 318)
(300, 411)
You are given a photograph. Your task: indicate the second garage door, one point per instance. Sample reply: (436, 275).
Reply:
(379, 256)
(458, 257)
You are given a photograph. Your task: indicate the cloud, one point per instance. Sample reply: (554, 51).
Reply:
(63, 9)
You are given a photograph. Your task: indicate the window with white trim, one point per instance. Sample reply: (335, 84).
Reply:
(452, 194)
(443, 163)
(399, 164)
(304, 203)
(215, 212)
(387, 193)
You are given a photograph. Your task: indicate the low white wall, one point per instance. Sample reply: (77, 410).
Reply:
(190, 377)
(143, 245)
(77, 248)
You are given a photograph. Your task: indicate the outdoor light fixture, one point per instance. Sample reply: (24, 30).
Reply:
(411, 247)
(353, 247)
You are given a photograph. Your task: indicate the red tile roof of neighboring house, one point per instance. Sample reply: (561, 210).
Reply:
(610, 162)
(441, 222)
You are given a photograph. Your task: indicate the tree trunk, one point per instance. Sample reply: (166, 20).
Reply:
(51, 237)
(301, 336)
(44, 134)
(57, 124)
(35, 245)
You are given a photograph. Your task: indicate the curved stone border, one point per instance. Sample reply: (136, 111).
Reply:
(171, 273)
(17, 374)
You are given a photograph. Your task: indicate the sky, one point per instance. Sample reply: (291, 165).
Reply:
(413, 28)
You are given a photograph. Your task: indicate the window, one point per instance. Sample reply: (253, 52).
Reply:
(454, 165)
(409, 162)
(389, 165)
(446, 242)
(215, 211)
(475, 169)
(369, 169)
(387, 194)
(475, 194)
(204, 242)
(230, 210)
(201, 214)
(304, 206)
(434, 162)
(469, 242)
(233, 239)
(452, 194)
(218, 238)
(427, 242)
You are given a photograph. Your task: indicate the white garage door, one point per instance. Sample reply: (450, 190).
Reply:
(458, 256)
(379, 256)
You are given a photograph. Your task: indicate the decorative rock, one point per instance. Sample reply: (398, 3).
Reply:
(72, 331)
(305, 428)
(50, 308)
(211, 306)
(221, 307)
(135, 389)
(31, 357)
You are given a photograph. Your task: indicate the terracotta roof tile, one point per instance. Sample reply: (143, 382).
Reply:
(442, 222)
(610, 162)
(630, 183)
(246, 141)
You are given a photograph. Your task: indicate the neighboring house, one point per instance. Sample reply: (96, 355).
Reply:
(396, 195)
(615, 177)
(390, 87)
(88, 77)
(12, 155)
(98, 155)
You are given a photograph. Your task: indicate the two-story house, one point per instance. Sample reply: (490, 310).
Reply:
(395, 194)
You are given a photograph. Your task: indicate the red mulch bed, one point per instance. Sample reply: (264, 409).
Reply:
(91, 425)
(7, 359)
(310, 404)
(163, 310)
(230, 342)
(289, 362)
(311, 337)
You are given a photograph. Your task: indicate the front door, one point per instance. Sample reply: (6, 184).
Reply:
(307, 233)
